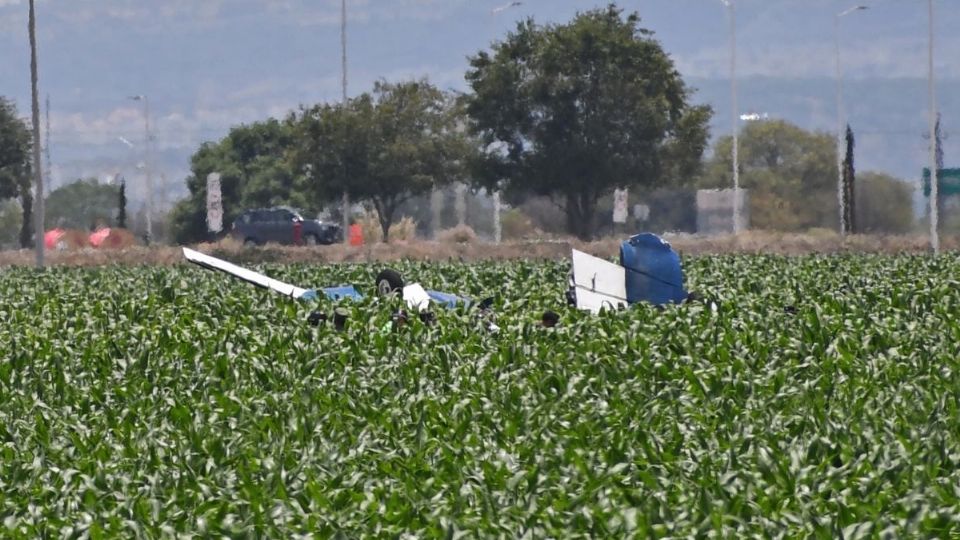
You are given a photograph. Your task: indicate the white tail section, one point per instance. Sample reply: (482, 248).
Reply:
(599, 284)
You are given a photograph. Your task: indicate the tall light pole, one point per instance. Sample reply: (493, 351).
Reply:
(734, 116)
(345, 210)
(46, 146)
(146, 163)
(505, 7)
(841, 198)
(497, 225)
(37, 172)
(934, 188)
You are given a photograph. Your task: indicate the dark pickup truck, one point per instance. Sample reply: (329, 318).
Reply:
(283, 226)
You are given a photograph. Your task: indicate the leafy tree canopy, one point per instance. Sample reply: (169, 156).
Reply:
(14, 151)
(884, 204)
(254, 172)
(383, 147)
(15, 169)
(575, 110)
(791, 174)
(83, 204)
(10, 219)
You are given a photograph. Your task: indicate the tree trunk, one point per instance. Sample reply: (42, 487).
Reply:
(385, 227)
(581, 211)
(588, 213)
(26, 228)
(573, 216)
(385, 212)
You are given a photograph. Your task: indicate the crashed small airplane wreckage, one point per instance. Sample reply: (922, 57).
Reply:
(388, 281)
(649, 271)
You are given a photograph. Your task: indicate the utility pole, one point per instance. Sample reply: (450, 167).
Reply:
(46, 148)
(735, 114)
(163, 193)
(436, 211)
(497, 225)
(37, 172)
(737, 212)
(497, 202)
(934, 188)
(460, 203)
(148, 168)
(345, 210)
(146, 163)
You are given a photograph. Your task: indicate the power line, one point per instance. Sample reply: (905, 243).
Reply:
(153, 130)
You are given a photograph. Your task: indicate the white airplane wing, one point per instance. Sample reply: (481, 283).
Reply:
(249, 276)
(599, 284)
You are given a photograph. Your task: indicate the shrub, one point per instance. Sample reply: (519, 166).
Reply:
(461, 234)
(402, 231)
(515, 225)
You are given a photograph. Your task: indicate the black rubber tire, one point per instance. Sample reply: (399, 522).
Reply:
(311, 240)
(389, 281)
(316, 317)
(250, 242)
(549, 319)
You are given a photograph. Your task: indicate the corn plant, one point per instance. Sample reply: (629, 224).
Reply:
(810, 397)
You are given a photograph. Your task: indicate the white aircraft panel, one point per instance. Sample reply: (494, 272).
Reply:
(247, 275)
(416, 297)
(599, 284)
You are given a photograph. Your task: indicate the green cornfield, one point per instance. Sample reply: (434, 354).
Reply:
(814, 397)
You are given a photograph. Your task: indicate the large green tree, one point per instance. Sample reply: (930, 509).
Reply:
(791, 174)
(884, 204)
(576, 110)
(10, 222)
(81, 205)
(254, 172)
(15, 169)
(383, 147)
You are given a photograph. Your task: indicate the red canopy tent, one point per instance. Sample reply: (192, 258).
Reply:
(108, 238)
(64, 239)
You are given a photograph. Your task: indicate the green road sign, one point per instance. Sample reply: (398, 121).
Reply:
(948, 181)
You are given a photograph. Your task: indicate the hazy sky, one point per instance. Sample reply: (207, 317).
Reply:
(210, 64)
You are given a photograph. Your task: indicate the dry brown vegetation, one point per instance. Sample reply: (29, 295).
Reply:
(461, 234)
(752, 242)
(403, 230)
